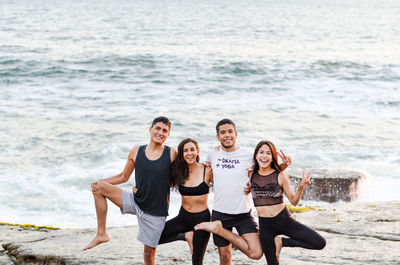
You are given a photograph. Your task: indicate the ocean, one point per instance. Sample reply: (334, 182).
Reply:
(81, 81)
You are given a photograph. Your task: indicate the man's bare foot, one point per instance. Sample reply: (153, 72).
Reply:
(189, 239)
(278, 246)
(212, 227)
(99, 239)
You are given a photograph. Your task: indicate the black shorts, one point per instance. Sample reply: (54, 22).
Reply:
(244, 223)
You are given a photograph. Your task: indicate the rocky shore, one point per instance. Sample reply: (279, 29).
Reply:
(356, 233)
(329, 185)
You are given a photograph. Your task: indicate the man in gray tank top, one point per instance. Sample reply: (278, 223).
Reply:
(151, 163)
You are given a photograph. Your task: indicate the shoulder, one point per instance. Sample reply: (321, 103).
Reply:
(211, 154)
(214, 151)
(245, 151)
(245, 156)
(283, 178)
(133, 153)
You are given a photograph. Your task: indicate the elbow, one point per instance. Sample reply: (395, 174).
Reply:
(294, 201)
(124, 178)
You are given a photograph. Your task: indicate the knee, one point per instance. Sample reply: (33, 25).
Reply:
(320, 244)
(256, 254)
(98, 187)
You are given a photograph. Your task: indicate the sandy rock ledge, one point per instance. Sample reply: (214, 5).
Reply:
(356, 233)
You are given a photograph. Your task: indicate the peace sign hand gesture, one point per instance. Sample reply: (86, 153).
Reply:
(287, 160)
(306, 180)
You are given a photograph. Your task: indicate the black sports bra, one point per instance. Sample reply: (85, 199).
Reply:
(200, 189)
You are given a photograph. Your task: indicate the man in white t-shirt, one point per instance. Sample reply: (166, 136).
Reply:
(232, 207)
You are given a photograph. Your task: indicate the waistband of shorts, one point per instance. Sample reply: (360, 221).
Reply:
(233, 215)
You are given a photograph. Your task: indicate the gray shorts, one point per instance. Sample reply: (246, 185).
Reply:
(150, 226)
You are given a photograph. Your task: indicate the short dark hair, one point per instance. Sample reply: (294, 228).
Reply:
(162, 119)
(224, 121)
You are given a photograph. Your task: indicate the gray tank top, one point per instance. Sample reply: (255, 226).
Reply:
(152, 182)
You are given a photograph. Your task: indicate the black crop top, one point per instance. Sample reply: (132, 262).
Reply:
(266, 190)
(200, 189)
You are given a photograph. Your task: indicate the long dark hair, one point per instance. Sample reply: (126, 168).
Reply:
(274, 163)
(179, 168)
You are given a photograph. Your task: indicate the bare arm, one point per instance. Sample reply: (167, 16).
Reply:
(209, 175)
(126, 172)
(247, 189)
(294, 198)
(173, 153)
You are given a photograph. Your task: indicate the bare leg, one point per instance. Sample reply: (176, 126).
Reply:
(278, 246)
(102, 191)
(189, 239)
(249, 243)
(225, 255)
(149, 255)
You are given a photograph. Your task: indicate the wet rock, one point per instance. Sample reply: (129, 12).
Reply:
(4, 259)
(330, 185)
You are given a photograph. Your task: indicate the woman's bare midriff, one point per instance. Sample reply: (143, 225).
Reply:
(195, 204)
(270, 211)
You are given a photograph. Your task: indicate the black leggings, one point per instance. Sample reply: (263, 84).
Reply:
(176, 228)
(299, 235)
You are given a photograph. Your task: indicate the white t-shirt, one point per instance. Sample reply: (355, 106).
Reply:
(230, 171)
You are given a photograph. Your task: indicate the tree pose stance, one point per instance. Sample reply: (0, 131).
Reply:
(192, 179)
(267, 185)
(152, 163)
(232, 208)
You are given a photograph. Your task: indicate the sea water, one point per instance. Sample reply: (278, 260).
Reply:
(81, 81)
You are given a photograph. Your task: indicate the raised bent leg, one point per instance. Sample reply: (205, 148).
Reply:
(174, 229)
(302, 236)
(101, 192)
(248, 243)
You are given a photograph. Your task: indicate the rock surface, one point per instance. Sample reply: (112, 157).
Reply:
(356, 233)
(330, 185)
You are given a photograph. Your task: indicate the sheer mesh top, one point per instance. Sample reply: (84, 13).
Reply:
(266, 190)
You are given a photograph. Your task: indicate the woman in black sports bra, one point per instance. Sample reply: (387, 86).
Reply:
(192, 179)
(267, 185)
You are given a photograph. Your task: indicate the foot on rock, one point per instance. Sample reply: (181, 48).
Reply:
(99, 239)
